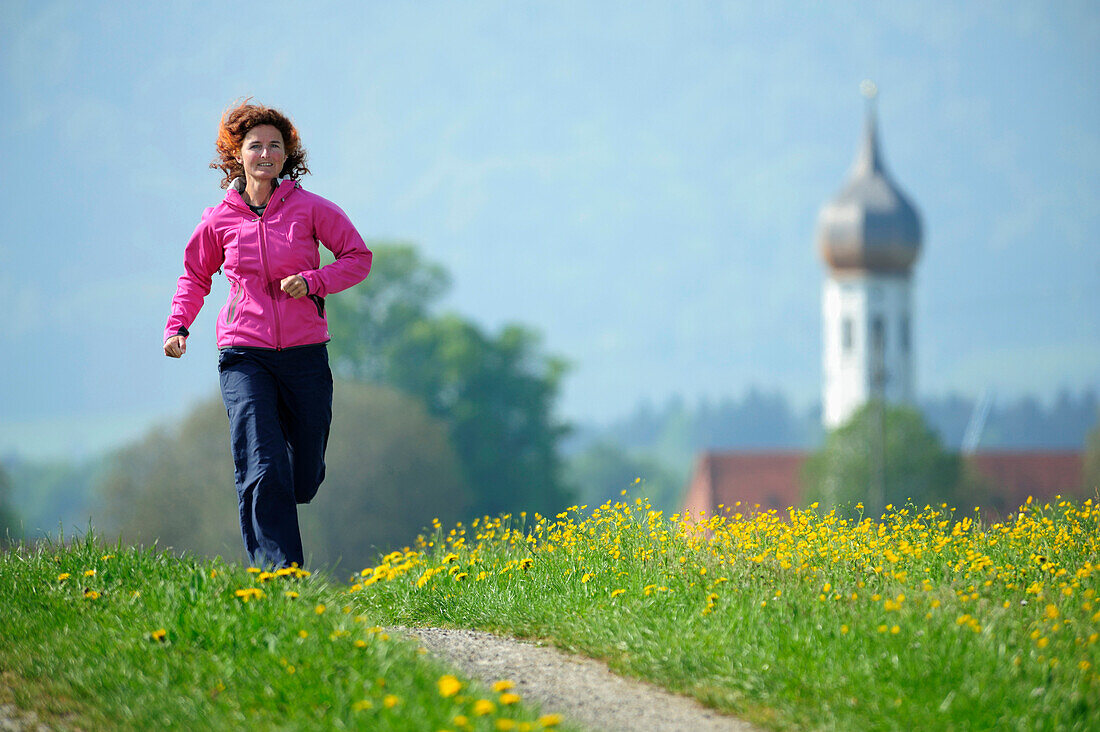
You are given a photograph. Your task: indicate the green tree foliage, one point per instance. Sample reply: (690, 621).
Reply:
(916, 466)
(390, 470)
(495, 393)
(8, 521)
(1091, 472)
(604, 469)
(53, 495)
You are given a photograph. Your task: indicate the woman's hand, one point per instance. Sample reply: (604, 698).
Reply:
(175, 346)
(295, 286)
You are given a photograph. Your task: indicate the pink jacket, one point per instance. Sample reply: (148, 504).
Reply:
(256, 253)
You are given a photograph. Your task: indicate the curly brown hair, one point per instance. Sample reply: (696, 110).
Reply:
(235, 124)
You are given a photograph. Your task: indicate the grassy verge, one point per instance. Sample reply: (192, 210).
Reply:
(101, 637)
(922, 620)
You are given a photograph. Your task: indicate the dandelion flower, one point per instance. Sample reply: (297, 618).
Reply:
(616, 593)
(63, 576)
(390, 701)
(320, 609)
(91, 595)
(483, 707)
(89, 573)
(448, 685)
(362, 704)
(550, 720)
(508, 698)
(160, 634)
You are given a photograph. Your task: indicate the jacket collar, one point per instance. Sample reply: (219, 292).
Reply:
(283, 186)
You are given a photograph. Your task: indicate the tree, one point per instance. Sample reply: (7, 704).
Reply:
(916, 466)
(495, 393)
(390, 470)
(1091, 468)
(604, 469)
(8, 521)
(369, 321)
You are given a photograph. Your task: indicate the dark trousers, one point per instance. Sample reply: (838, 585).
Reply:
(280, 408)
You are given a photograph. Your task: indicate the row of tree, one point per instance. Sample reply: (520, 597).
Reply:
(760, 419)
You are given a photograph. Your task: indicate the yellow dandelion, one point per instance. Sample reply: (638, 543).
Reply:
(362, 704)
(303, 634)
(508, 698)
(291, 594)
(91, 595)
(844, 630)
(320, 609)
(63, 576)
(448, 685)
(160, 635)
(550, 720)
(616, 593)
(390, 701)
(89, 573)
(502, 686)
(483, 707)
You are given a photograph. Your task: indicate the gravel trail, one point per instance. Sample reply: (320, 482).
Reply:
(580, 689)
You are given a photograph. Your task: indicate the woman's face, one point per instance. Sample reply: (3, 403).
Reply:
(262, 153)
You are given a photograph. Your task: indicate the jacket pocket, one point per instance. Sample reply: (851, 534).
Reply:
(320, 303)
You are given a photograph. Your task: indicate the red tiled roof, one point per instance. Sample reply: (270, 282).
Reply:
(763, 480)
(1042, 474)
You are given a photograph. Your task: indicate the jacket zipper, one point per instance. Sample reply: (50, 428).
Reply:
(267, 274)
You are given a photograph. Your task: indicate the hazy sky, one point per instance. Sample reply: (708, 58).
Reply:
(637, 181)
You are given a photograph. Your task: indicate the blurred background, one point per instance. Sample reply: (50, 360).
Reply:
(596, 236)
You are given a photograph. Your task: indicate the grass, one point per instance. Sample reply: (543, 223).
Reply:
(921, 620)
(99, 637)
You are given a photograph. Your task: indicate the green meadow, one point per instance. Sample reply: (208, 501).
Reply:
(921, 619)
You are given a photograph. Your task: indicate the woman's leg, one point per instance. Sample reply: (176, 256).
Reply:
(305, 409)
(268, 511)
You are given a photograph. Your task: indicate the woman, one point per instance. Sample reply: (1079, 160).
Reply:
(271, 332)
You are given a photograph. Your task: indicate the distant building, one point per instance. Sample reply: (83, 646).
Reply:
(870, 237)
(758, 481)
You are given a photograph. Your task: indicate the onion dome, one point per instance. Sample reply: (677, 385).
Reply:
(870, 226)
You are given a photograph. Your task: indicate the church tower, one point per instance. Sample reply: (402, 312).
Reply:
(870, 237)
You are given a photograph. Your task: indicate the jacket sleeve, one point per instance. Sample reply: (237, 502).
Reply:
(333, 228)
(201, 259)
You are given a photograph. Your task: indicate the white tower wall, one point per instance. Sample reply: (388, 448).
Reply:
(856, 307)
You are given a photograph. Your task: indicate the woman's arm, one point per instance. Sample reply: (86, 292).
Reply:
(202, 257)
(333, 228)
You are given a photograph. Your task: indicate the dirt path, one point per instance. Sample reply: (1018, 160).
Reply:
(580, 689)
